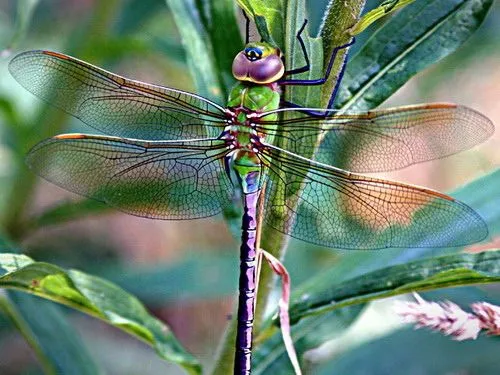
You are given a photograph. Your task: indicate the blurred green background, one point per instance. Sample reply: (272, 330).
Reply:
(185, 272)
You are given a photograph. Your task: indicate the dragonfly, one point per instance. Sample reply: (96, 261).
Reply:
(169, 154)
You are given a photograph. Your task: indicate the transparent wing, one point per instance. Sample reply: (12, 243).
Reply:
(382, 140)
(344, 210)
(162, 180)
(116, 105)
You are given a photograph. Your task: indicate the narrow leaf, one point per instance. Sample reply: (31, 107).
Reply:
(56, 343)
(419, 36)
(427, 274)
(226, 41)
(199, 54)
(384, 9)
(54, 340)
(271, 18)
(96, 297)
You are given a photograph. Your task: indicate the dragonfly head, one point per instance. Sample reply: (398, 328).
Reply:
(258, 63)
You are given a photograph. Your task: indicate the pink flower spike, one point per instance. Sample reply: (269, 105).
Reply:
(489, 315)
(445, 317)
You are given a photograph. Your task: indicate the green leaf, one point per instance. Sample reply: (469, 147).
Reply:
(419, 36)
(56, 343)
(384, 9)
(421, 275)
(304, 95)
(269, 17)
(320, 314)
(199, 52)
(96, 297)
(225, 38)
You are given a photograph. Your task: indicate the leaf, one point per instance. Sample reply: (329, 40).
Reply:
(384, 9)
(96, 297)
(419, 36)
(320, 314)
(56, 343)
(421, 275)
(54, 340)
(199, 52)
(304, 95)
(273, 18)
(226, 40)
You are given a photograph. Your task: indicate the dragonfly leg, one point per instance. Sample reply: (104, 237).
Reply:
(306, 67)
(247, 27)
(321, 81)
(318, 81)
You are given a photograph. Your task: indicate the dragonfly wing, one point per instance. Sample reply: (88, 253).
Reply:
(344, 210)
(113, 104)
(162, 180)
(385, 140)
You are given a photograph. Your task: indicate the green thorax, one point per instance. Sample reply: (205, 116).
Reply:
(246, 98)
(253, 97)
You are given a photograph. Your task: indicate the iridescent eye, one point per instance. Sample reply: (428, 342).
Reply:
(253, 53)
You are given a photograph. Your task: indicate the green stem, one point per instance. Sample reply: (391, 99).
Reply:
(341, 17)
(274, 242)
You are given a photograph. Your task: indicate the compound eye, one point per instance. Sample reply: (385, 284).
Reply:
(253, 53)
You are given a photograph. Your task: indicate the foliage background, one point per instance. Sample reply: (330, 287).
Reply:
(186, 272)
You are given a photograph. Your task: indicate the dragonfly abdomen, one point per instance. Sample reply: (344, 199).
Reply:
(247, 283)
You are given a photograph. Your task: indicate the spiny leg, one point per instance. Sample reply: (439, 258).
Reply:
(320, 81)
(306, 67)
(247, 27)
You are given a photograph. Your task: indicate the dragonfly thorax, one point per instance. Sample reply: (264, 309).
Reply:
(242, 163)
(241, 133)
